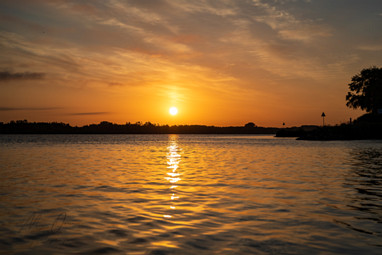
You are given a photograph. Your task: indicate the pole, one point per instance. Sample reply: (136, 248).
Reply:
(323, 118)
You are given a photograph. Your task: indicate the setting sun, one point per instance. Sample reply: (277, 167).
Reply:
(173, 110)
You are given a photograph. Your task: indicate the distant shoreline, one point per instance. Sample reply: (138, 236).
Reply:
(365, 127)
(25, 127)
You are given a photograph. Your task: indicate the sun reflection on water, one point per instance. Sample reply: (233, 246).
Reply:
(173, 176)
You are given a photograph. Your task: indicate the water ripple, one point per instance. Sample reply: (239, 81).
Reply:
(189, 194)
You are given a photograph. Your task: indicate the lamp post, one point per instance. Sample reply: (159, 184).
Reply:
(323, 118)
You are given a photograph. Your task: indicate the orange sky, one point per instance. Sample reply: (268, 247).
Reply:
(219, 62)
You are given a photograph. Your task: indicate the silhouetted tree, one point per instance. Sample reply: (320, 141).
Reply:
(148, 124)
(250, 125)
(366, 90)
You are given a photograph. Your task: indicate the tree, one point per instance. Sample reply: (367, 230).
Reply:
(250, 125)
(366, 90)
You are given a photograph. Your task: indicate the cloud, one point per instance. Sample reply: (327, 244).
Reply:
(375, 47)
(7, 76)
(149, 43)
(5, 109)
(89, 113)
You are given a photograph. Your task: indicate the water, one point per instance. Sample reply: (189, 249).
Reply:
(189, 194)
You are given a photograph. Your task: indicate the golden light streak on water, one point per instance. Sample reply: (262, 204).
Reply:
(173, 162)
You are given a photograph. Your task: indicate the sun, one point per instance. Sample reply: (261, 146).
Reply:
(173, 110)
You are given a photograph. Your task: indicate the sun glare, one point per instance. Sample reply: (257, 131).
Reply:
(173, 110)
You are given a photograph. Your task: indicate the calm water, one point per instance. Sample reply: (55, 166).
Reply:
(189, 194)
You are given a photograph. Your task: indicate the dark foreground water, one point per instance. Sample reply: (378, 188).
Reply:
(189, 194)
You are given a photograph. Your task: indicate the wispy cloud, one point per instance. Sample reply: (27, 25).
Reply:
(375, 47)
(7, 76)
(89, 113)
(136, 42)
(28, 108)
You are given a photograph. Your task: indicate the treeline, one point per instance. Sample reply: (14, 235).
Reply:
(368, 126)
(105, 127)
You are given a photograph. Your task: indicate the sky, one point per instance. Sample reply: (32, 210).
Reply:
(220, 62)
